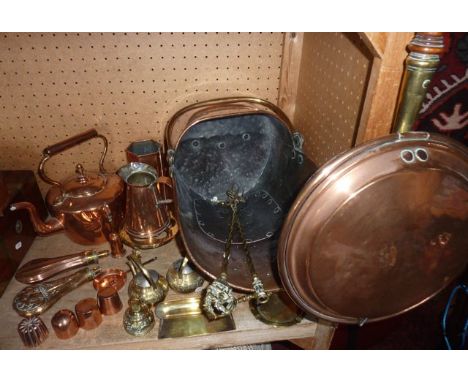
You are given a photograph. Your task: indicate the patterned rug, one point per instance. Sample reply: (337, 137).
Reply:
(445, 109)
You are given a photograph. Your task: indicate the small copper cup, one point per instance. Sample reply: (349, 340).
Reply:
(109, 301)
(65, 324)
(88, 314)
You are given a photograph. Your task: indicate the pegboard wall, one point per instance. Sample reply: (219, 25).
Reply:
(126, 85)
(335, 69)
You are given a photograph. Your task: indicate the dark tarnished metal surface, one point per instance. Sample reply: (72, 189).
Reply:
(243, 143)
(379, 229)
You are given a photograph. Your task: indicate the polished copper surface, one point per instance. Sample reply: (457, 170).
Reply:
(41, 269)
(88, 314)
(146, 211)
(32, 332)
(65, 324)
(88, 206)
(151, 152)
(114, 278)
(109, 301)
(379, 229)
(161, 239)
(203, 248)
(116, 245)
(147, 151)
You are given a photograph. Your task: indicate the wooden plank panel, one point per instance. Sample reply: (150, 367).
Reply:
(385, 92)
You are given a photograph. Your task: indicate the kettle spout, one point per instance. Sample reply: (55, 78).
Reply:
(42, 228)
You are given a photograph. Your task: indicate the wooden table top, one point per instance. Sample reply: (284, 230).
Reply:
(111, 334)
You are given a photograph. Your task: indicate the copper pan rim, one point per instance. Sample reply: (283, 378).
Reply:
(268, 108)
(293, 283)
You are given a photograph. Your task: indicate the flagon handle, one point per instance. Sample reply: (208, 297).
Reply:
(165, 181)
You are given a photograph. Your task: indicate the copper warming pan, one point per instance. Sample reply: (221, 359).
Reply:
(243, 142)
(379, 229)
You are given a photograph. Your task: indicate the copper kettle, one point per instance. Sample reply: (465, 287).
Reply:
(88, 206)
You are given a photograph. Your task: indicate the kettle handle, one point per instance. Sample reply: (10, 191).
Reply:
(66, 144)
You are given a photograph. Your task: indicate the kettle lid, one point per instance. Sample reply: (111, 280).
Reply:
(83, 184)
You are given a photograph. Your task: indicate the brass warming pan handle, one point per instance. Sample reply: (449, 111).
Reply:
(66, 144)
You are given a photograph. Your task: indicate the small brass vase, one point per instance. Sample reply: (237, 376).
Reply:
(147, 286)
(182, 278)
(138, 319)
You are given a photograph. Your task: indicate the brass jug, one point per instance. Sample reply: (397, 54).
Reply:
(147, 285)
(146, 213)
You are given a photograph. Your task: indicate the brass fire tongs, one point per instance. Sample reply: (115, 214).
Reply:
(219, 300)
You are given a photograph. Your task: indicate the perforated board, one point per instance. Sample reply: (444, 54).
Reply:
(126, 85)
(331, 89)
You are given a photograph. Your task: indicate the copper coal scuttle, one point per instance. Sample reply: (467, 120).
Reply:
(241, 144)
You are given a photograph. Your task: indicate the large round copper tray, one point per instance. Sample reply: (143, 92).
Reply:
(379, 230)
